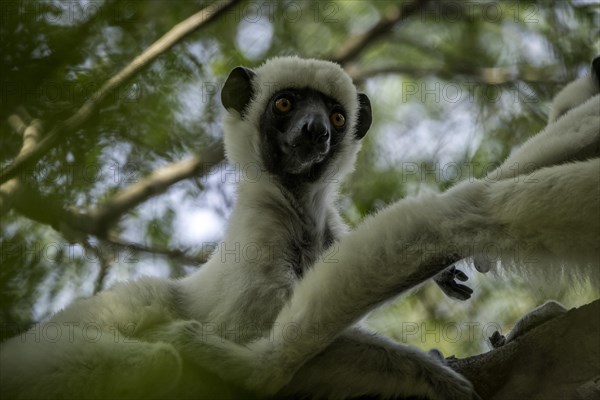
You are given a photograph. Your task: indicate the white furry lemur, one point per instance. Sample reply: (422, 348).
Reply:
(276, 308)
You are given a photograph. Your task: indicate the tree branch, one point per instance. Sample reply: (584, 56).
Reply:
(156, 183)
(97, 221)
(10, 191)
(486, 76)
(177, 254)
(352, 47)
(171, 38)
(556, 360)
(75, 227)
(103, 267)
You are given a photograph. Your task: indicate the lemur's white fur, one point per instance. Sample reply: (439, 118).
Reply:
(250, 321)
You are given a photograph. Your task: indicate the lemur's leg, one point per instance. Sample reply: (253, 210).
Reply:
(86, 363)
(357, 363)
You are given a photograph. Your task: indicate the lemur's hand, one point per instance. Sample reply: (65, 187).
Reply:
(497, 340)
(448, 279)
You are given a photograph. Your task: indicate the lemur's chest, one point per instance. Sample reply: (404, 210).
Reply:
(306, 244)
(295, 232)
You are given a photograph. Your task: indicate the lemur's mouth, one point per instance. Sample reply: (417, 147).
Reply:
(301, 157)
(305, 151)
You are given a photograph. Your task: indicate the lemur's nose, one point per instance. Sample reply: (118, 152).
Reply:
(316, 128)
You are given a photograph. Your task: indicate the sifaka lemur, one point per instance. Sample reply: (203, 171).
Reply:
(277, 307)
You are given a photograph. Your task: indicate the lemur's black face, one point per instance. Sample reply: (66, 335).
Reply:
(300, 130)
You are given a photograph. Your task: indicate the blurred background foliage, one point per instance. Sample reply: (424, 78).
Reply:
(455, 86)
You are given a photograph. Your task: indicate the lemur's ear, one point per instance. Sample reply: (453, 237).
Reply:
(365, 116)
(596, 69)
(237, 91)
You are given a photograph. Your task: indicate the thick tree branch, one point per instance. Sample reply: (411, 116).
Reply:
(97, 221)
(75, 227)
(158, 182)
(171, 38)
(352, 48)
(559, 359)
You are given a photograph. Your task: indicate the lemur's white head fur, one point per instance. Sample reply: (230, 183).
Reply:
(241, 129)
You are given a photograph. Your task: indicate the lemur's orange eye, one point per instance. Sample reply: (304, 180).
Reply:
(283, 104)
(337, 119)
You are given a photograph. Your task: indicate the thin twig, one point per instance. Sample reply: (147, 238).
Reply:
(485, 76)
(177, 254)
(103, 267)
